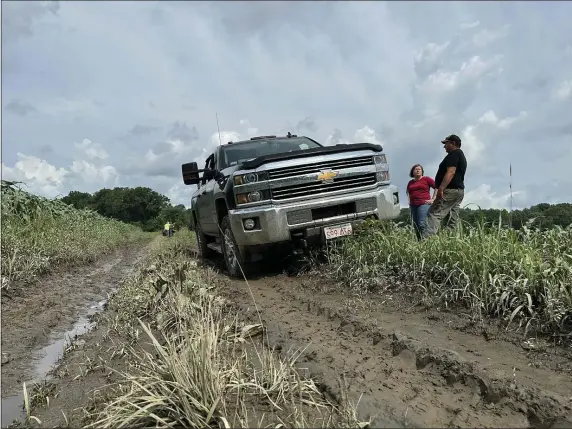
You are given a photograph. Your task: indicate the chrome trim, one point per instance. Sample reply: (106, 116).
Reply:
(273, 218)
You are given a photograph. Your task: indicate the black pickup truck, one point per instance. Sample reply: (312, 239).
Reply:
(273, 193)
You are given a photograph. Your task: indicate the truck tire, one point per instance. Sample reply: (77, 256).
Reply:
(232, 258)
(204, 251)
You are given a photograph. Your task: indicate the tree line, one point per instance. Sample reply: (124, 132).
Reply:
(543, 216)
(139, 206)
(150, 210)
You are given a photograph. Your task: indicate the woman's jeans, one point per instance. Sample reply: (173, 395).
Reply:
(419, 216)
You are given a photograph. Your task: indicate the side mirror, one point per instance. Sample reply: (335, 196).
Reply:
(210, 174)
(190, 173)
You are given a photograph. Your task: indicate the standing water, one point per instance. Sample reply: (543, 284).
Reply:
(44, 361)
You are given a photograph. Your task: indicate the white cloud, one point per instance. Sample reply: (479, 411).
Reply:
(486, 37)
(469, 25)
(431, 51)
(473, 146)
(470, 70)
(563, 91)
(92, 150)
(485, 197)
(45, 179)
(180, 193)
(361, 135)
(40, 176)
(366, 135)
(89, 173)
(490, 118)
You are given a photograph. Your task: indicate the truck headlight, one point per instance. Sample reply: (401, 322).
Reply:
(243, 179)
(380, 159)
(382, 176)
(249, 197)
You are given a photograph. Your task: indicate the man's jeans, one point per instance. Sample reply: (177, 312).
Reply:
(449, 206)
(419, 217)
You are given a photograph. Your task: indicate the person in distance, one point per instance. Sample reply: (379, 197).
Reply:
(450, 183)
(418, 191)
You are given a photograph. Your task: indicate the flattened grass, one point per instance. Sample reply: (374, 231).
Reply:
(205, 368)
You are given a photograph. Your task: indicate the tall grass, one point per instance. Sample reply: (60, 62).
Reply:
(521, 275)
(39, 234)
(205, 367)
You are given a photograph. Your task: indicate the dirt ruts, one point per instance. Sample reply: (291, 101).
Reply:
(39, 314)
(408, 368)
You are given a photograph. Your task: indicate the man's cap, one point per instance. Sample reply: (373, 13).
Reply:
(452, 138)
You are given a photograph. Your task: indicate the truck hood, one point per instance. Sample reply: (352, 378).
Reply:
(324, 150)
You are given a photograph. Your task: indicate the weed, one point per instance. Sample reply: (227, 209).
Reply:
(202, 367)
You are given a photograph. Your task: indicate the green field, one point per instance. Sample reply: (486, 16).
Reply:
(39, 234)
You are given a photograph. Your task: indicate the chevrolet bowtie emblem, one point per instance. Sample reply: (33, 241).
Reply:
(327, 176)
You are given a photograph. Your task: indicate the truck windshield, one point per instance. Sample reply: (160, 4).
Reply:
(239, 152)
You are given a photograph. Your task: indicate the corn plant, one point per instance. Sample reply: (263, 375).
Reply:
(39, 233)
(523, 275)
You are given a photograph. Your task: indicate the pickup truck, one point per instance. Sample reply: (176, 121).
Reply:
(266, 194)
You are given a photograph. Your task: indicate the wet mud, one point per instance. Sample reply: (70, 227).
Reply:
(410, 367)
(44, 318)
(405, 365)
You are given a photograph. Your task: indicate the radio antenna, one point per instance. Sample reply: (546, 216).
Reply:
(218, 128)
(510, 187)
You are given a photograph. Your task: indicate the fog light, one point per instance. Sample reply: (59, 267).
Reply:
(249, 224)
(396, 198)
(254, 197)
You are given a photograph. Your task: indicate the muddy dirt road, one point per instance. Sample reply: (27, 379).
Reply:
(421, 369)
(408, 367)
(36, 321)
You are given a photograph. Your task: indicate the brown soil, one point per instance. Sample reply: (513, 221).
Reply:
(40, 313)
(408, 366)
(412, 367)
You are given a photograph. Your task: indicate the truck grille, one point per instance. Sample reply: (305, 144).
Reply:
(338, 164)
(313, 188)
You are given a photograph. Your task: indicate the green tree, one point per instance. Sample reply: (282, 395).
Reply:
(80, 200)
(139, 205)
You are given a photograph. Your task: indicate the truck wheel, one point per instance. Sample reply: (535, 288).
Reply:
(232, 258)
(204, 251)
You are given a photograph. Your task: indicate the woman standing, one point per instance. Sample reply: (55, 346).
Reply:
(419, 197)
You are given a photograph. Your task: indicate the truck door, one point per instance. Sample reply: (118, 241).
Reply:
(206, 202)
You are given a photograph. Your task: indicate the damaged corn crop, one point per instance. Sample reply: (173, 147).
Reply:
(39, 234)
(203, 367)
(523, 276)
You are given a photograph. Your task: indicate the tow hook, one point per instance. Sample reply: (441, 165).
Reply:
(302, 246)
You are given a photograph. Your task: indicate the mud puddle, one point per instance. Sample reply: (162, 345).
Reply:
(45, 360)
(37, 324)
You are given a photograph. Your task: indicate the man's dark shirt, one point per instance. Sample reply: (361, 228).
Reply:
(457, 159)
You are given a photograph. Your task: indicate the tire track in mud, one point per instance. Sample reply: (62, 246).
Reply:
(44, 311)
(404, 380)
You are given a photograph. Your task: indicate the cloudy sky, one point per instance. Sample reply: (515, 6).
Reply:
(103, 94)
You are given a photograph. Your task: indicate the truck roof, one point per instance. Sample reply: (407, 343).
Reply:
(273, 137)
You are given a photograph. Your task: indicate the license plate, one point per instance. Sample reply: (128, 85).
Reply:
(338, 231)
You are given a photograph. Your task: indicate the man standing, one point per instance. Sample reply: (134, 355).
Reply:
(450, 184)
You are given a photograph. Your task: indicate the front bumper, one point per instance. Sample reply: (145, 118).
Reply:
(275, 223)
